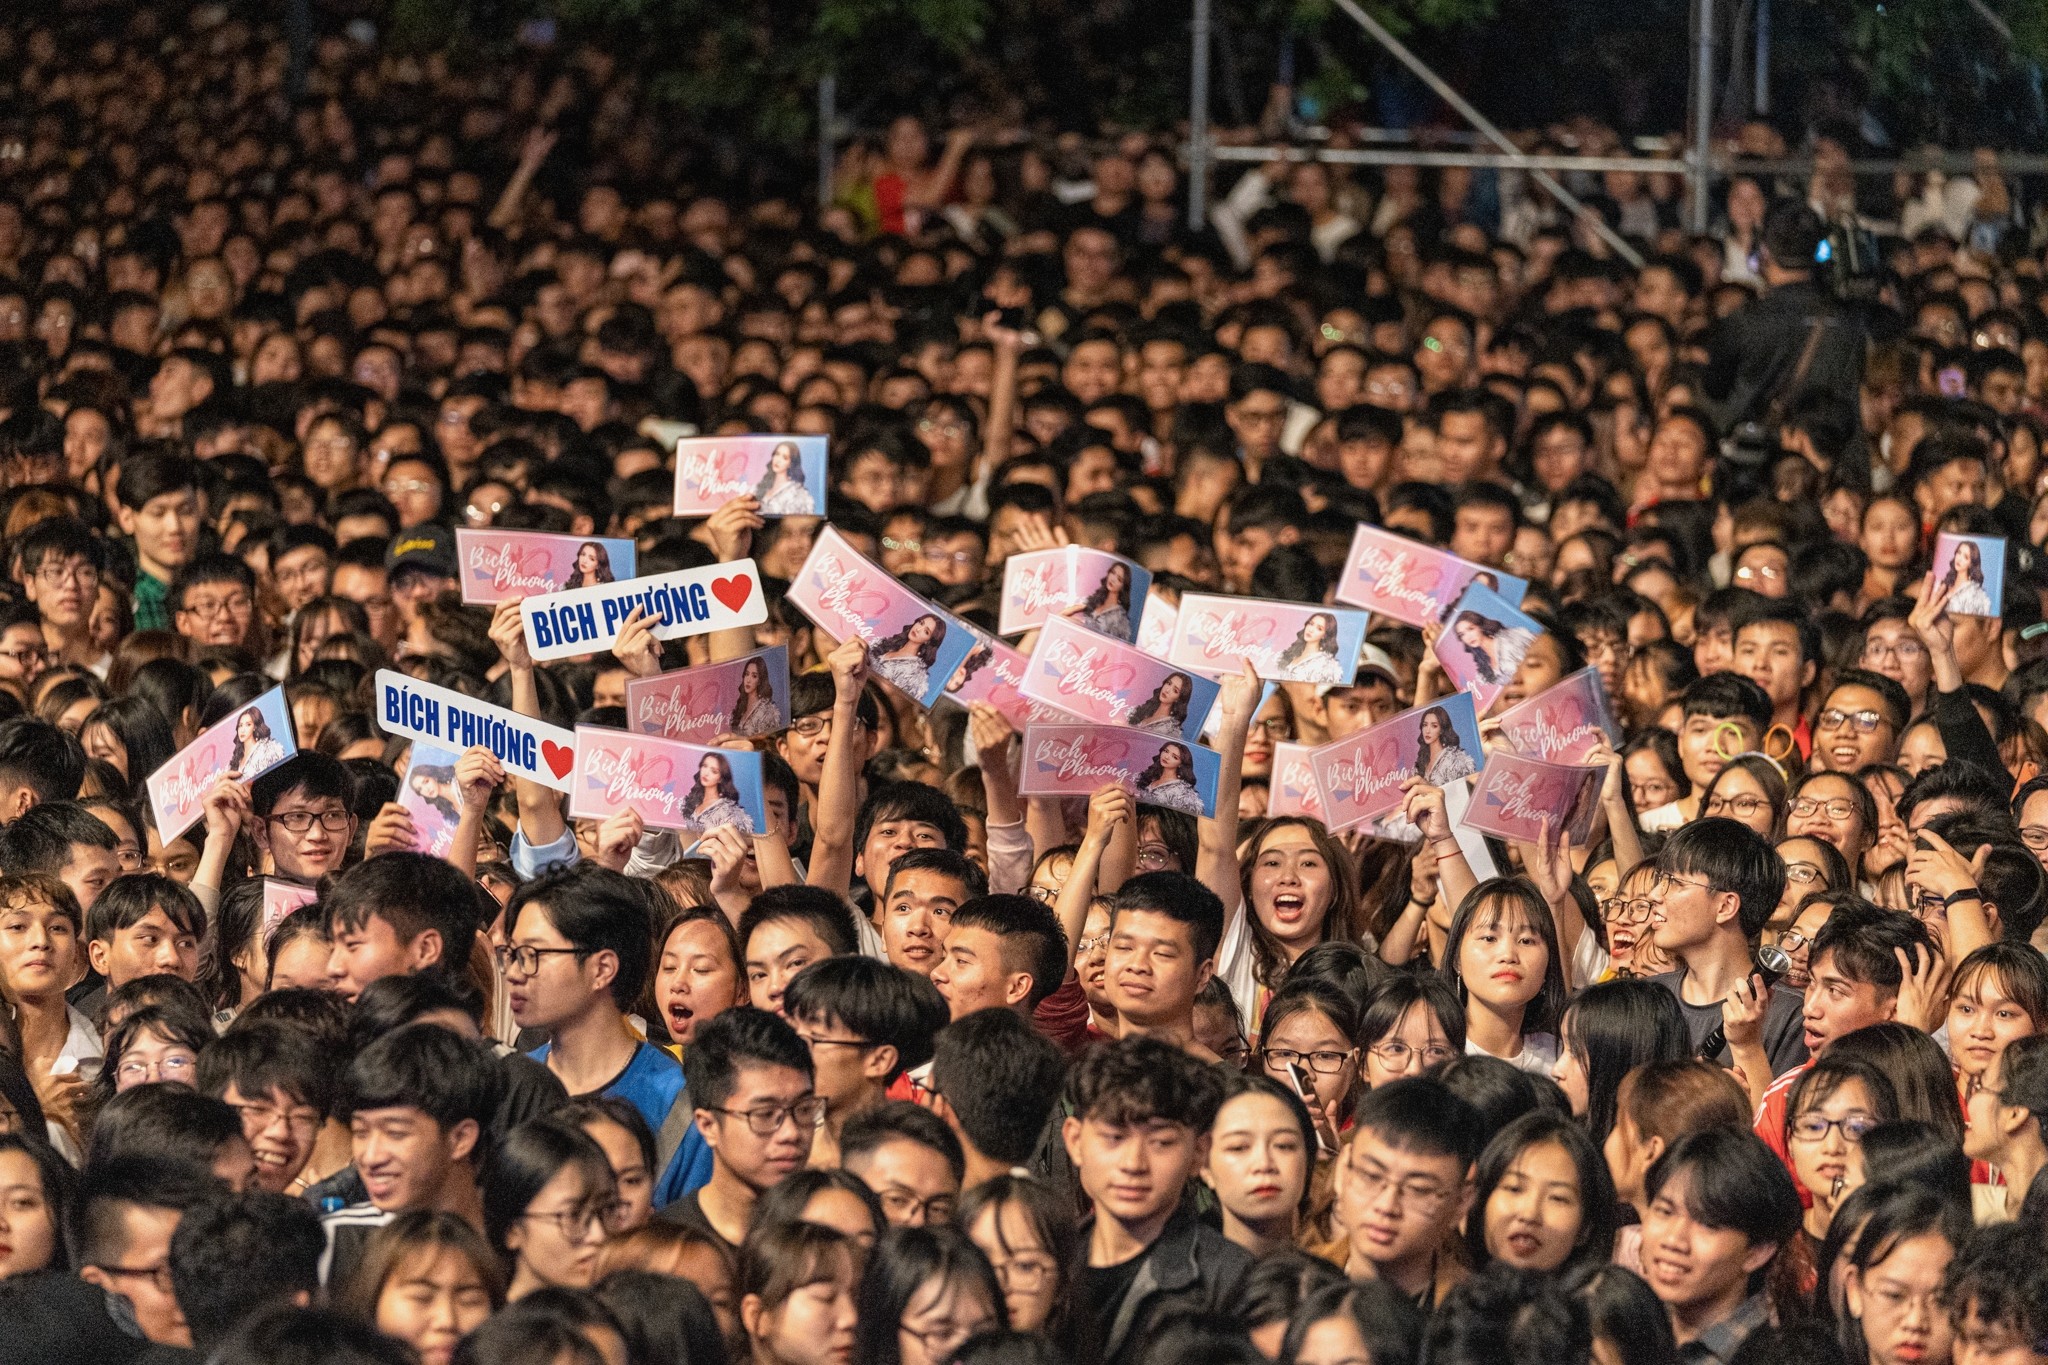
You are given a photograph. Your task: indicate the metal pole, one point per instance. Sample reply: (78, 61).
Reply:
(1198, 119)
(828, 133)
(1494, 135)
(1702, 109)
(1762, 80)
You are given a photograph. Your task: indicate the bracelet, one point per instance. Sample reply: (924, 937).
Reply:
(1968, 893)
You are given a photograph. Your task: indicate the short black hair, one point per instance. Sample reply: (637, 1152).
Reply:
(740, 1037)
(1737, 1183)
(1031, 937)
(1421, 1116)
(1898, 707)
(913, 801)
(598, 910)
(1732, 857)
(1002, 1079)
(1179, 897)
(127, 900)
(62, 538)
(2000, 1276)
(894, 1119)
(877, 1001)
(37, 755)
(1143, 1080)
(41, 840)
(165, 1122)
(412, 893)
(235, 1254)
(152, 473)
(944, 861)
(429, 1068)
(1864, 941)
(259, 1057)
(827, 914)
(1728, 696)
(99, 1228)
(319, 775)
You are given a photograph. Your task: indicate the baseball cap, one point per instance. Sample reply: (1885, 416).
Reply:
(1371, 659)
(428, 549)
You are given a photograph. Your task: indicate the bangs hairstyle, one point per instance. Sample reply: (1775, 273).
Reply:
(532, 1155)
(2017, 969)
(780, 1258)
(41, 888)
(128, 900)
(1388, 1323)
(1489, 905)
(1137, 1081)
(904, 1262)
(412, 1237)
(1735, 1182)
(1732, 857)
(1827, 1076)
(1598, 1209)
(1391, 1000)
(1901, 1214)
(1339, 915)
(1612, 1028)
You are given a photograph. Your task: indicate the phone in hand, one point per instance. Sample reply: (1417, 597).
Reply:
(1305, 1088)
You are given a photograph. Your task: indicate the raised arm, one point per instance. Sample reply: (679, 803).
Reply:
(540, 808)
(478, 773)
(1108, 809)
(539, 142)
(731, 532)
(832, 848)
(1216, 858)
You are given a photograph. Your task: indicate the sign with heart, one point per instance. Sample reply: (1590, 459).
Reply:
(565, 625)
(448, 720)
(1105, 680)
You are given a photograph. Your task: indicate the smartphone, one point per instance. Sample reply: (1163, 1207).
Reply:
(1303, 1087)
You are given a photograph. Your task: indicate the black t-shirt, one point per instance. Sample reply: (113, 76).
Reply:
(687, 1212)
(51, 1317)
(1103, 1289)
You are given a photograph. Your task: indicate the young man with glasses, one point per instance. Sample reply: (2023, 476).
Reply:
(577, 955)
(1724, 714)
(418, 1102)
(1717, 884)
(127, 1212)
(909, 1158)
(61, 565)
(1857, 965)
(214, 603)
(750, 1082)
(273, 1076)
(1859, 723)
(23, 656)
(1403, 1184)
(866, 1024)
(299, 814)
(1139, 1112)
(1894, 649)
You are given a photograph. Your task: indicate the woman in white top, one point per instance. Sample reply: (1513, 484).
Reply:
(1501, 956)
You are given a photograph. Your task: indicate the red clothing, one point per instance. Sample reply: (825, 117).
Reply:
(1063, 1017)
(891, 190)
(1770, 1124)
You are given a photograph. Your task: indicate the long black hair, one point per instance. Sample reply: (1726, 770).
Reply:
(1300, 645)
(1598, 1208)
(903, 1262)
(1155, 769)
(530, 1156)
(1446, 737)
(928, 652)
(1614, 1027)
(728, 789)
(795, 470)
(1150, 708)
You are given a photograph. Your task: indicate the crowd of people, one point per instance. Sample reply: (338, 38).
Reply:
(918, 1070)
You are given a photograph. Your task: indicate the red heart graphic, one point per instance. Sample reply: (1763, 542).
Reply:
(559, 757)
(733, 591)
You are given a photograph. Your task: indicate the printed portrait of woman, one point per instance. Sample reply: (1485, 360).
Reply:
(254, 748)
(1165, 712)
(1108, 609)
(904, 660)
(1440, 757)
(714, 798)
(1496, 650)
(1169, 780)
(593, 566)
(1312, 658)
(755, 711)
(782, 490)
(977, 659)
(435, 784)
(1964, 582)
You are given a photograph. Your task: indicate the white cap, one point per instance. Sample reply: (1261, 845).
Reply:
(1371, 659)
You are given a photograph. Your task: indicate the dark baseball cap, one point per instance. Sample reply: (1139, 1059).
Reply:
(427, 549)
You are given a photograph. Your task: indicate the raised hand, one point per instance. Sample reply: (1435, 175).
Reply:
(636, 646)
(732, 527)
(508, 633)
(478, 773)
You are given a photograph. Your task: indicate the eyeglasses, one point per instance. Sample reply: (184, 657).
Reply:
(861, 1043)
(2034, 837)
(1841, 808)
(158, 1275)
(1397, 1054)
(767, 1120)
(1866, 722)
(1904, 650)
(1791, 941)
(129, 856)
(961, 557)
(1666, 884)
(1743, 806)
(1152, 857)
(83, 575)
(258, 1118)
(1025, 1274)
(207, 608)
(1089, 945)
(525, 958)
(939, 1341)
(26, 655)
(575, 1224)
(1749, 573)
(1322, 1063)
(1617, 910)
(397, 488)
(1804, 874)
(907, 546)
(1044, 895)
(179, 1067)
(901, 1206)
(1425, 1194)
(1277, 727)
(1814, 1127)
(1655, 792)
(810, 727)
(299, 821)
